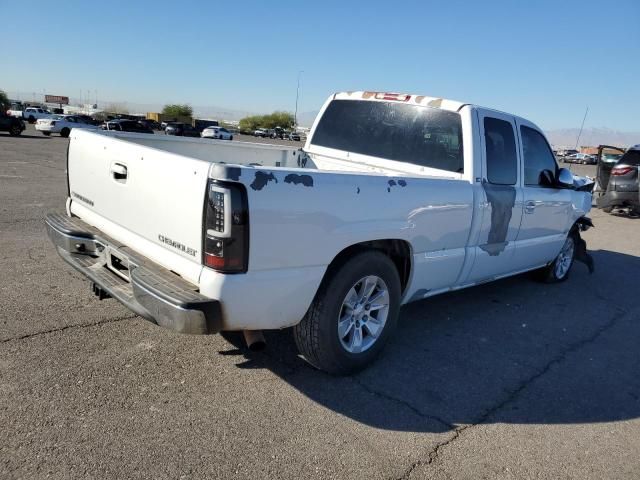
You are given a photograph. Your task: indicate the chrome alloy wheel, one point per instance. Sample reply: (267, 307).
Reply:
(565, 258)
(363, 314)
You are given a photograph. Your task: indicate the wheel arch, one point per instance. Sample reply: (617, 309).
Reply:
(399, 251)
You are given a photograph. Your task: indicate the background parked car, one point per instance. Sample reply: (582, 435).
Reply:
(220, 133)
(623, 187)
(88, 119)
(260, 133)
(181, 130)
(152, 124)
(61, 124)
(164, 124)
(16, 109)
(122, 125)
(582, 158)
(277, 132)
(8, 123)
(31, 114)
(294, 136)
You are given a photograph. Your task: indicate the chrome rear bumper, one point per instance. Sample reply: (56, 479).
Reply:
(146, 288)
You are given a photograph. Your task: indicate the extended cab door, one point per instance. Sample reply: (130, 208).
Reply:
(500, 205)
(547, 209)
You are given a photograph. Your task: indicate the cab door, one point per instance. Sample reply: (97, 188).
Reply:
(547, 210)
(500, 204)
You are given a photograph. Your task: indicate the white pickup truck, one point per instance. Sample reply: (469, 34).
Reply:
(394, 198)
(31, 114)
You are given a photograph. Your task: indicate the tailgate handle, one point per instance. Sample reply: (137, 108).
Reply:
(119, 172)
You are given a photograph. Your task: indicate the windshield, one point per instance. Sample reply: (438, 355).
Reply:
(424, 136)
(611, 157)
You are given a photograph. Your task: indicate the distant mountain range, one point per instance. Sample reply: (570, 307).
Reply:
(566, 137)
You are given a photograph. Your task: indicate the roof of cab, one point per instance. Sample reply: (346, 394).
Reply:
(434, 102)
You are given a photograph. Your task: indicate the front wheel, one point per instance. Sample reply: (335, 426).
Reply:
(15, 130)
(65, 132)
(558, 271)
(352, 316)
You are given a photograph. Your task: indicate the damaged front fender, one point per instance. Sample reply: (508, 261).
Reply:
(581, 253)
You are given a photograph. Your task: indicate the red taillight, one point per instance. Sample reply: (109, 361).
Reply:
(621, 170)
(226, 227)
(399, 97)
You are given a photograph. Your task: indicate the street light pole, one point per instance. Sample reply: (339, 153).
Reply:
(295, 115)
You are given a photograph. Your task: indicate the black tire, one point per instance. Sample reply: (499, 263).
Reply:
(64, 133)
(15, 130)
(231, 138)
(46, 134)
(317, 334)
(549, 274)
(32, 119)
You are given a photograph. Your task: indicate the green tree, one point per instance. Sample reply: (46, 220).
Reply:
(176, 110)
(4, 100)
(272, 120)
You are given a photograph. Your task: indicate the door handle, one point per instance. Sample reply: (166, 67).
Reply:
(530, 206)
(119, 172)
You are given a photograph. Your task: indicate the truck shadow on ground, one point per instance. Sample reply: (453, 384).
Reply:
(513, 351)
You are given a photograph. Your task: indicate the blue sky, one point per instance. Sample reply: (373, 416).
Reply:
(545, 60)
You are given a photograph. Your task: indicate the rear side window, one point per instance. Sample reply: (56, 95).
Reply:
(500, 145)
(423, 136)
(632, 157)
(537, 156)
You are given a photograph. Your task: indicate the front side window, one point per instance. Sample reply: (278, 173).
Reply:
(538, 157)
(423, 136)
(500, 148)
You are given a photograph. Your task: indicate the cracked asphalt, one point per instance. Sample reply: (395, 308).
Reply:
(512, 379)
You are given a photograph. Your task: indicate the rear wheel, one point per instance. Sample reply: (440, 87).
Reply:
(352, 316)
(65, 132)
(32, 119)
(231, 137)
(15, 130)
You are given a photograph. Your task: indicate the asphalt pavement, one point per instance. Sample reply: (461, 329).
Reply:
(512, 379)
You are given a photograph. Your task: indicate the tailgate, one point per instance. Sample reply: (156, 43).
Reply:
(140, 193)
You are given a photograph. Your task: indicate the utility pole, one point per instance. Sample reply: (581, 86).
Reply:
(582, 126)
(295, 115)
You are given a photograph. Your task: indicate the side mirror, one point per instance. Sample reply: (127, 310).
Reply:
(565, 178)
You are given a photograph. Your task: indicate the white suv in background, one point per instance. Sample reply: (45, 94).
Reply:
(220, 133)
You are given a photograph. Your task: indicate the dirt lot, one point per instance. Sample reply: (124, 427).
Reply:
(512, 379)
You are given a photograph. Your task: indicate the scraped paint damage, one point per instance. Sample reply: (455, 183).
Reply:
(306, 180)
(502, 198)
(393, 183)
(262, 179)
(233, 173)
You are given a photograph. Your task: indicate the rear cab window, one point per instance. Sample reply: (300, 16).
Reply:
(419, 135)
(501, 153)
